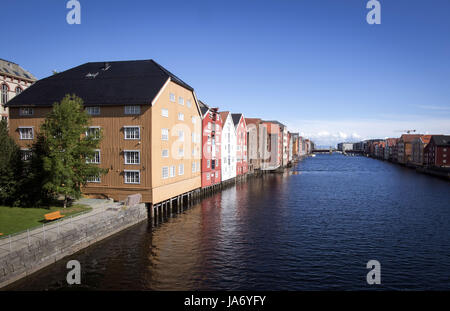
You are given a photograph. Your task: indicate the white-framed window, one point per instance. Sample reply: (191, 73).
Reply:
(217, 174)
(18, 90)
(194, 167)
(132, 177)
(444, 161)
(165, 153)
(208, 163)
(180, 135)
(26, 154)
(207, 176)
(93, 131)
(165, 172)
(94, 179)
(93, 111)
(132, 132)
(209, 125)
(172, 97)
(5, 90)
(136, 109)
(132, 156)
(180, 116)
(172, 171)
(165, 112)
(26, 132)
(26, 111)
(95, 158)
(445, 149)
(181, 152)
(181, 169)
(181, 100)
(164, 134)
(193, 119)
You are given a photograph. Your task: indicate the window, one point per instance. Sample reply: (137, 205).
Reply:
(93, 131)
(172, 97)
(181, 152)
(188, 103)
(207, 176)
(213, 164)
(194, 120)
(133, 109)
(165, 153)
(180, 135)
(164, 134)
(26, 133)
(207, 163)
(95, 159)
(165, 113)
(132, 156)
(193, 167)
(181, 100)
(18, 90)
(445, 149)
(5, 90)
(172, 171)
(181, 116)
(26, 154)
(94, 179)
(132, 132)
(209, 125)
(165, 172)
(26, 111)
(181, 169)
(132, 177)
(217, 174)
(93, 111)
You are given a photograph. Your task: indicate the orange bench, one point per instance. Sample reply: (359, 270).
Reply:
(53, 216)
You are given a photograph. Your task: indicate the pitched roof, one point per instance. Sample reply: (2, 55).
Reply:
(407, 138)
(101, 83)
(224, 115)
(203, 107)
(276, 122)
(236, 118)
(425, 139)
(12, 69)
(441, 140)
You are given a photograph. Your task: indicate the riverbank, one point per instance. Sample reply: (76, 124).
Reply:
(29, 252)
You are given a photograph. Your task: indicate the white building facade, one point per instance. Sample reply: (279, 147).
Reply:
(13, 80)
(228, 146)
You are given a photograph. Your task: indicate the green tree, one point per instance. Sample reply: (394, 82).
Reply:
(10, 166)
(66, 149)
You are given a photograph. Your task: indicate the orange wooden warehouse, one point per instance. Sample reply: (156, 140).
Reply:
(150, 120)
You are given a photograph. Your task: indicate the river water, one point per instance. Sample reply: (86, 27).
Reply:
(314, 227)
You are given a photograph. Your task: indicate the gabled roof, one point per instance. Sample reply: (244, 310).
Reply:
(101, 83)
(425, 139)
(236, 118)
(441, 140)
(224, 115)
(12, 69)
(407, 138)
(203, 107)
(276, 122)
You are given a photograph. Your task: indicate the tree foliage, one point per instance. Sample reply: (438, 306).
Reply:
(10, 166)
(63, 149)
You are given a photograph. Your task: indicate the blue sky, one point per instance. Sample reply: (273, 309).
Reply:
(316, 66)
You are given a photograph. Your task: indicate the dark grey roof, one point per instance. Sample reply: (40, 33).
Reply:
(12, 69)
(236, 118)
(203, 107)
(441, 140)
(101, 83)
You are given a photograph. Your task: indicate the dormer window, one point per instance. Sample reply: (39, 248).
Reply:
(133, 109)
(26, 111)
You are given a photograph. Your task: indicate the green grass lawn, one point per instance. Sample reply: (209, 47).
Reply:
(16, 219)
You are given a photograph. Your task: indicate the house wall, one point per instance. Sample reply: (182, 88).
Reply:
(241, 148)
(12, 83)
(228, 152)
(165, 188)
(212, 147)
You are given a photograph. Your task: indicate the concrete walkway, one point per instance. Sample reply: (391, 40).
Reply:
(50, 231)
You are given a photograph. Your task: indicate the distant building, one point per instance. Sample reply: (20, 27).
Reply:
(418, 146)
(256, 143)
(437, 152)
(273, 159)
(13, 81)
(211, 142)
(404, 147)
(228, 146)
(390, 148)
(345, 146)
(241, 143)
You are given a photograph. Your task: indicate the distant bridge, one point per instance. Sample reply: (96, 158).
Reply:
(329, 150)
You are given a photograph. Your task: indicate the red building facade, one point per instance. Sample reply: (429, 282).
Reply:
(211, 142)
(437, 152)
